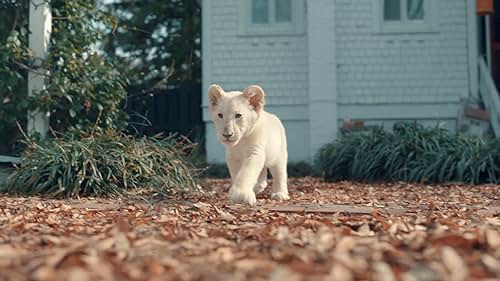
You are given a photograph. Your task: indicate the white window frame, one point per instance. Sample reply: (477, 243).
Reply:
(428, 24)
(295, 27)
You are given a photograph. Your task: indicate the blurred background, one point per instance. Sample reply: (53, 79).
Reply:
(327, 67)
(105, 58)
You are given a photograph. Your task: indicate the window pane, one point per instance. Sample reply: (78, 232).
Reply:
(260, 11)
(415, 9)
(283, 10)
(392, 10)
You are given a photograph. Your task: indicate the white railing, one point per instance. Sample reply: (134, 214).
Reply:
(489, 95)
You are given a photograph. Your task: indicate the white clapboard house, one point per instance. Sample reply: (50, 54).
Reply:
(322, 62)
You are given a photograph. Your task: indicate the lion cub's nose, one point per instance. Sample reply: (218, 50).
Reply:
(227, 136)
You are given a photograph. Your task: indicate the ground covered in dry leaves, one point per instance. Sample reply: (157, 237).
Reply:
(374, 232)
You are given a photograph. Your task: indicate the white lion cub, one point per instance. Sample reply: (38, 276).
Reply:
(255, 140)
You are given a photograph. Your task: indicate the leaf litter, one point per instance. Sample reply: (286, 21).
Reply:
(327, 231)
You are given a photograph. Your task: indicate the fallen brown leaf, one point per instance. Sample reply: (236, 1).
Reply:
(454, 264)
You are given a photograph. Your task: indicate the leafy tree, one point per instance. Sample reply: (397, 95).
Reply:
(83, 89)
(158, 40)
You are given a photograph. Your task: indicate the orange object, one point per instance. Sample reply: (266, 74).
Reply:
(484, 7)
(359, 124)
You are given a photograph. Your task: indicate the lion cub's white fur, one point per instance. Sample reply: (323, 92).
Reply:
(255, 141)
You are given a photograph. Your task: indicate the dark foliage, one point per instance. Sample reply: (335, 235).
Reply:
(13, 76)
(159, 42)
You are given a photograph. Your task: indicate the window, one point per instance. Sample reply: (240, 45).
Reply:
(395, 16)
(272, 16)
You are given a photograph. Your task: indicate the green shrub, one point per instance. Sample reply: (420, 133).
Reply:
(300, 169)
(83, 87)
(410, 153)
(104, 164)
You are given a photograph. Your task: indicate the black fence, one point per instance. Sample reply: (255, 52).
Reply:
(176, 109)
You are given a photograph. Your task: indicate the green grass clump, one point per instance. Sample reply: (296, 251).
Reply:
(411, 153)
(101, 165)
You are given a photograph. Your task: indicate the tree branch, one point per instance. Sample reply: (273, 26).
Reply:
(30, 69)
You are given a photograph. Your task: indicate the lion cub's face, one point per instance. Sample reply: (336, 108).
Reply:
(234, 113)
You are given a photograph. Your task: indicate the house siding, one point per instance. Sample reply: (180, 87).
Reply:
(277, 63)
(378, 77)
(388, 72)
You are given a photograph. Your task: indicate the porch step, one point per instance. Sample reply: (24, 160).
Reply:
(473, 120)
(476, 113)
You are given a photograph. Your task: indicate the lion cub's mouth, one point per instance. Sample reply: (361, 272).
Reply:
(229, 141)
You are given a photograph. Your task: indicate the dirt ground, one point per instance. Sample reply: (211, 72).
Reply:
(372, 232)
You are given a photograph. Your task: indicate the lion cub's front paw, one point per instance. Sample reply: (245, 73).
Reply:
(280, 196)
(242, 196)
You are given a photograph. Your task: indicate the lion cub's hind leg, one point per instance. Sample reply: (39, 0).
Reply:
(261, 182)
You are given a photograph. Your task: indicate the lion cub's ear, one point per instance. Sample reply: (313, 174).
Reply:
(215, 92)
(255, 96)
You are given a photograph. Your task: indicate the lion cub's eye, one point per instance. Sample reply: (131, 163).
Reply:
(220, 115)
(237, 115)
